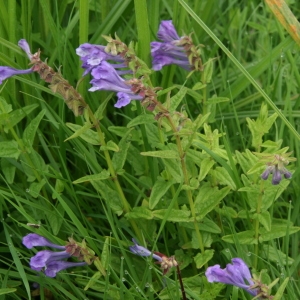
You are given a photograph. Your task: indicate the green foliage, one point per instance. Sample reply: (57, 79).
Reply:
(183, 179)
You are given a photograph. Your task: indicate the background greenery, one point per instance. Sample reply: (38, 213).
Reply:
(37, 185)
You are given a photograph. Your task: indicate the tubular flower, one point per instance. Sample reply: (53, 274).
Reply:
(276, 166)
(51, 262)
(237, 274)
(6, 72)
(174, 49)
(166, 262)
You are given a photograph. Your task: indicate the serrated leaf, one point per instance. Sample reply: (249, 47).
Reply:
(30, 130)
(206, 164)
(159, 189)
(56, 218)
(264, 218)
(243, 238)
(276, 255)
(9, 149)
(176, 99)
(208, 70)
(209, 226)
(201, 259)
(140, 213)
(100, 110)
(16, 116)
(104, 174)
(84, 132)
(141, 119)
(112, 146)
(5, 108)
(119, 157)
(277, 231)
(161, 154)
(223, 177)
(208, 198)
(35, 188)
(8, 170)
(174, 215)
(198, 86)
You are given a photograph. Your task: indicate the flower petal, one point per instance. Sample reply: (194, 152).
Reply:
(25, 47)
(32, 240)
(6, 72)
(57, 266)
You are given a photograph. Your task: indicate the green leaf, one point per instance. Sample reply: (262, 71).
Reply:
(30, 130)
(176, 99)
(281, 289)
(109, 195)
(206, 164)
(35, 188)
(276, 255)
(5, 108)
(243, 238)
(175, 215)
(5, 291)
(162, 154)
(84, 132)
(100, 110)
(104, 174)
(201, 259)
(119, 157)
(9, 149)
(56, 218)
(264, 218)
(208, 198)
(110, 146)
(159, 189)
(223, 177)
(141, 119)
(93, 280)
(8, 170)
(16, 116)
(277, 231)
(198, 86)
(208, 70)
(140, 213)
(215, 100)
(209, 226)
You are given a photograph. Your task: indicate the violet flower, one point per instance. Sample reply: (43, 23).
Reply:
(107, 78)
(93, 55)
(237, 274)
(170, 50)
(56, 266)
(142, 251)
(50, 262)
(277, 174)
(6, 72)
(34, 240)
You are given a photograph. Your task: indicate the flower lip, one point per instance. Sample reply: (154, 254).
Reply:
(6, 72)
(167, 31)
(25, 47)
(142, 251)
(235, 274)
(56, 266)
(34, 240)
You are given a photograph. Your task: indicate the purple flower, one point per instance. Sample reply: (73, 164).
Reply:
(6, 72)
(93, 55)
(170, 51)
(107, 78)
(50, 262)
(33, 240)
(25, 47)
(277, 174)
(56, 266)
(237, 274)
(42, 258)
(142, 251)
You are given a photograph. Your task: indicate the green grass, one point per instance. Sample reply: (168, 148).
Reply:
(154, 197)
